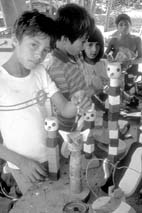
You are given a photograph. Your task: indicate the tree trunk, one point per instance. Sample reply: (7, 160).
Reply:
(87, 5)
(50, 10)
(93, 6)
(109, 7)
(81, 2)
(11, 9)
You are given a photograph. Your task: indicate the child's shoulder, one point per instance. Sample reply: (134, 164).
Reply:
(136, 39)
(48, 61)
(3, 71)
(53, 62)
(41, 75)
(102, 62)
(40, 72)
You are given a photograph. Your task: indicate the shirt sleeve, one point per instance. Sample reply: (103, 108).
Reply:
(48, 85)
(51, 86)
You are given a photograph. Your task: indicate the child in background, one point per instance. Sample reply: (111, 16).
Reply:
(94, 66)
(24, 89)
(126, 42)
(74, 24)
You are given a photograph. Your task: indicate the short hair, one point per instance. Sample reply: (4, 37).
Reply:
(32, 23)
(96, 36)
(123, 17)
(73, 21)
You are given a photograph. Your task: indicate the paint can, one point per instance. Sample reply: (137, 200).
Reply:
(76, 207)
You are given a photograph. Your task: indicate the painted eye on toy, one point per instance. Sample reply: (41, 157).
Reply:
(108, 69)
(45, 122)
(54, 124)
(84, 114)
(92, 115)
(118, 69)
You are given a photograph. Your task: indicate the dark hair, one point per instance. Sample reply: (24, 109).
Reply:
(96, 36)
(73, 21)
(123, 17)
(32, 23)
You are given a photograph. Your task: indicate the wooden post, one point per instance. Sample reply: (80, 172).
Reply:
(75, 142)
(11, 9)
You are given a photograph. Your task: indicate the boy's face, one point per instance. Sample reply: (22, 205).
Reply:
(32, 50)
(91, 49)
(76, 47)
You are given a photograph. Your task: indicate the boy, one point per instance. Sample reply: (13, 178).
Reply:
(74, 24)
(24, 88)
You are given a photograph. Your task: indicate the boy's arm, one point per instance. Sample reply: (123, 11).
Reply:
(69, 109)
(30, 168)
(139, 47)
(109, 47)
(66, 108)
(9, 155)
(139, 52)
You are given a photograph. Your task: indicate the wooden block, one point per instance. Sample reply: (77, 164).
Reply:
(113, 134)
(114, 91)
(114, 100)
(114, 108)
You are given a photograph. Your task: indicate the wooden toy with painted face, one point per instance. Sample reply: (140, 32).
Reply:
(89, 122)
(114, 74)
(90, 115)
(51, 124)
(114, 70)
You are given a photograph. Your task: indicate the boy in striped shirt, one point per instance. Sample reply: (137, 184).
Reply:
(74, 23)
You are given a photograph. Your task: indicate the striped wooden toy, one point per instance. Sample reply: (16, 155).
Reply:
(51, 126)
(89, 123)
(114, 74)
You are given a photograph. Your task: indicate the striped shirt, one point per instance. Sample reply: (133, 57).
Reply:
(67, 73)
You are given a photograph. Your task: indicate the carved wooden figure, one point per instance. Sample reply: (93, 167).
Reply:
(114, 74)
(75, 142)
(51, 126)
(89, 123)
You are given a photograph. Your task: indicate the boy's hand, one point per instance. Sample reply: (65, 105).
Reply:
(81, 100)
(33, 170)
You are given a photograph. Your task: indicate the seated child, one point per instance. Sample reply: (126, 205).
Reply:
(127, 49)
(94, 66)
